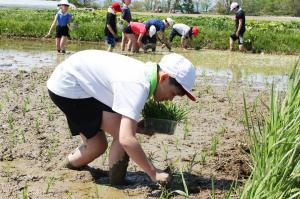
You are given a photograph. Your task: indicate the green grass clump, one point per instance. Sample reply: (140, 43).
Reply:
(164, 110)
(275, 147)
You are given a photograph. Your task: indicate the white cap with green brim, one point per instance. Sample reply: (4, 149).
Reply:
(180, 69)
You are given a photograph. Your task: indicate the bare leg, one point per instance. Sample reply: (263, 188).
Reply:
(110, 48)
(241, 48)
(89, 150)
(118, 159)
(62, 43)
(129, 44)
(57, 43)
(123, 42)
(231, 42)
(132, 39)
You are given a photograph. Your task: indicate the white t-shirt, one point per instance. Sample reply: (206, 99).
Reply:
(182, 29)
(118, 81)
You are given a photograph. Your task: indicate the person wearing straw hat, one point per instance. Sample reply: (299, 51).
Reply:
(240, 26)
(185, 32)
(62, 19)
(100, 92)
(135, 31)
(110, 30)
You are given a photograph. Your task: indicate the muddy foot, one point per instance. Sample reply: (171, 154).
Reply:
(118, 171)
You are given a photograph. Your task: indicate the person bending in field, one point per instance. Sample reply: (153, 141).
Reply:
(185, 32)
(125, 20)
(110, 30)
(135, 31)
(160, 26)
(62, 19)
(102, 92)
(240, 26)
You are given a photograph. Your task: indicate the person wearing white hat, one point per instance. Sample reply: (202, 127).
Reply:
(100, 92)
(62, 19)
(240, 26)
(160, 26)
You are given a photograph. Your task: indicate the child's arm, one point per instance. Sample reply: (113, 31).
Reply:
(130, 144)
(69, 22)
(112, 31)
(51, 27)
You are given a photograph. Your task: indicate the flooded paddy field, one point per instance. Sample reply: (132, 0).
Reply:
(211, 148)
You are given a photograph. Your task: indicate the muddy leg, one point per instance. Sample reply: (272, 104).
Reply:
(118, 162)
(117, 172)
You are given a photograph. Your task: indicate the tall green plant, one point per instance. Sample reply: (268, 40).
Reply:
(275, 146)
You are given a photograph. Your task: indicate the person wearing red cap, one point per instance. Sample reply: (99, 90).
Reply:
(185, 32)
(110, 30)
(102, 92)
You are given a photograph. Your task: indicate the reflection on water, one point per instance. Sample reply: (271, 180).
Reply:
(227, 66)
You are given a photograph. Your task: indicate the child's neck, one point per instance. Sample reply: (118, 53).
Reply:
(63, 11)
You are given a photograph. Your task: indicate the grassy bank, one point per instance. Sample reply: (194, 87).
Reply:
(261, 36)
(275, 147)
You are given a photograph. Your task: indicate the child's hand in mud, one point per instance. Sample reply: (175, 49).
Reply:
(161, 177)
(141, 129)
(47, 35)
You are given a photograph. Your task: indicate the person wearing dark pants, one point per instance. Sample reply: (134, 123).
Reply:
(240, 26)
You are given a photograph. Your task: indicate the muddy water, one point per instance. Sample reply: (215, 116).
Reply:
(256, 69)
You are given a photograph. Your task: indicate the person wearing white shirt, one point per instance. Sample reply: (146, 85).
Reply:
(100, 91)
(185, 32)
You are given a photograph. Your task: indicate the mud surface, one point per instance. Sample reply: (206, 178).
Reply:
(210, 150)
(34, 141)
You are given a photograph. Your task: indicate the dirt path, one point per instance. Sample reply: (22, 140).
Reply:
(34, 140)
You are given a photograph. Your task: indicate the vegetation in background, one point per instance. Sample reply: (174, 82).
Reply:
(275, 146)
(164, 110)
(262, 7)
(261, 36)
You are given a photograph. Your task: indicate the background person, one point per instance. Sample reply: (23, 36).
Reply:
(110, 30)
(160, 26)
(62, 19)
(240, 26)
(185, 32)
(99, 92)
(125, 18)
(135, 31)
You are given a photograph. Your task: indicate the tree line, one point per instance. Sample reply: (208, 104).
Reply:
(251, 7)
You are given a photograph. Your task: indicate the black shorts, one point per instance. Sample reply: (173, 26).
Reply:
(62, 31)
(239, 38)
(146, 39)
(83, 115)
(128, 30)
(174, 33)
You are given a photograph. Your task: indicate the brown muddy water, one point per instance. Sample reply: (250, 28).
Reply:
(210, 148)
(258, 69)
